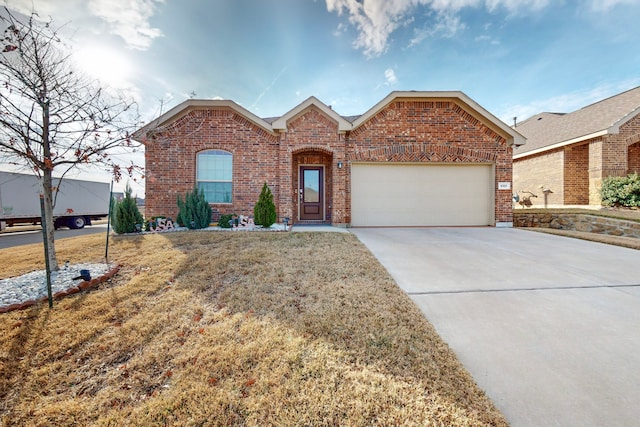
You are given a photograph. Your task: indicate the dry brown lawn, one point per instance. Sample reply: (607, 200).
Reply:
(205, 328)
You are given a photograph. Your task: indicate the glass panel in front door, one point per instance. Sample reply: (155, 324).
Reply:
(311, 181)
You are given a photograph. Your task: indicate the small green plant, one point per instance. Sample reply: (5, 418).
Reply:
(125, 214)
(194, 210)
(621, 190)
(265, 210)
(224, 221)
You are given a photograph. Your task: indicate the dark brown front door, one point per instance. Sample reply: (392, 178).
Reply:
(311, 193)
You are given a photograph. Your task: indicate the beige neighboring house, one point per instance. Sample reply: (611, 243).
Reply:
(570, 154)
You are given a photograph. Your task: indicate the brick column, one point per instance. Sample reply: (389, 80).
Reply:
(285, 207)
(339, 209)
(595, 171)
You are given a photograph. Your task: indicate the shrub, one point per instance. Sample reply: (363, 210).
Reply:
(621, 190)
(194, 210)
(125, 214)
(264, 211)
(223, 222)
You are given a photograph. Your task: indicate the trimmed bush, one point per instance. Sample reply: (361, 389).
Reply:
(223, 222)
(264, 211)
(125, 214)
(621, 191)
(194, 210)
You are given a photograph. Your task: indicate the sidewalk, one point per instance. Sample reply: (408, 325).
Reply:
(318, 228)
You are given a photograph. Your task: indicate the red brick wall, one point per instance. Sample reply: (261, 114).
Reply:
(171, 160)
(406, 130)
(576, 175)
(312, 138)
(433, 131)
(631, 133)
(634, 158)
(616, 148)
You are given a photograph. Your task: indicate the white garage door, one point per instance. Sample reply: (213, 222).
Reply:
(394, 194)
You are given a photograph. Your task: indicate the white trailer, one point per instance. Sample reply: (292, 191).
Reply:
(77, 204)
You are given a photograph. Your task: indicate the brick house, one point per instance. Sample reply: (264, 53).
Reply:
(413, 159)
(570, 154)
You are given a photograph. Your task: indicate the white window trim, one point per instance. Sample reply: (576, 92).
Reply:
(198, 181)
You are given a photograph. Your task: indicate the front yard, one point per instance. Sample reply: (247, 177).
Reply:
(205, 328)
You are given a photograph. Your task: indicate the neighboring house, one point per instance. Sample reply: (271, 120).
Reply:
(413, 159)
(570, 154)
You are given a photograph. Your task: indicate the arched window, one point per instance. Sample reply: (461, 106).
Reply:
(215, 175)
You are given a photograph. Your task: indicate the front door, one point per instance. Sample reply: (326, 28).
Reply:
(311, 193)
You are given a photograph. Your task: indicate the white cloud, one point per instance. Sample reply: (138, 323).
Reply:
(390, 76)
(487, 39)
(376, 20)
(131, 22)
(515, 6)
(126, 19)
(604, 5)
(447, 25)
(44, 8)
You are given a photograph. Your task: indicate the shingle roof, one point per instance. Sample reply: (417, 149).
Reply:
(345, 123)
(550, 129)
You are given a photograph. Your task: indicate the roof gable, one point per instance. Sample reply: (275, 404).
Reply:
(189, 105)
(345, 124)
(281, 123)
(469, 105)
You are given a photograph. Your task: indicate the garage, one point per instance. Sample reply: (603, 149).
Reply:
(400, 194)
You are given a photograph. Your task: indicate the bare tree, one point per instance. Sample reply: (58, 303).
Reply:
(51, 117)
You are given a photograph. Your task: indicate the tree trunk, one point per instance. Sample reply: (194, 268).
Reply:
(47, 190)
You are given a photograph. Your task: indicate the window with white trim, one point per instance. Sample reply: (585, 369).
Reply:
(215, 175)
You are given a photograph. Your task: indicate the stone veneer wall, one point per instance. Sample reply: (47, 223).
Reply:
(577, 222)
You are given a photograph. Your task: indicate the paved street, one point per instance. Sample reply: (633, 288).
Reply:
(18, 238)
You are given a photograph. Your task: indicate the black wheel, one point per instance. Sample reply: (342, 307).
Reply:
(77, 222)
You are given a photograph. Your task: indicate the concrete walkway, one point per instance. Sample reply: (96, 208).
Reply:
(548, 326)
(318, 228)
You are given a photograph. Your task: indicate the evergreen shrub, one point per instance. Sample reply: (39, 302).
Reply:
(194, 210)
(223, 222)
(264, 211)
(125, 214)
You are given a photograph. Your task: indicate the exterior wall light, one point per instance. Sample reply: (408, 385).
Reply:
(340, 165)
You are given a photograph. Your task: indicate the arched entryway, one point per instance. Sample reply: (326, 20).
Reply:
(312, 185)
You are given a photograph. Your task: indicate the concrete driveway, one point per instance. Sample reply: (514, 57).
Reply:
(548, 326)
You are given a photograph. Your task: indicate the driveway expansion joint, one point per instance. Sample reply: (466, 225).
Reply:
(553, 288)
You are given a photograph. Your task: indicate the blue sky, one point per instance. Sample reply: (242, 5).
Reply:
(513, 57)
